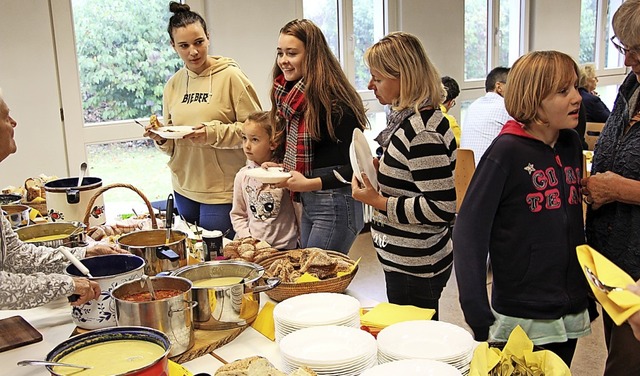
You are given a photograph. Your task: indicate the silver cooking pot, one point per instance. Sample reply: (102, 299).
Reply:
(72, 234)
(228, 306)
(159, 255)
(172, 315)
(16, 214)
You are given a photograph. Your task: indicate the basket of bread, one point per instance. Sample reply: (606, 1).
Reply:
(301, 271)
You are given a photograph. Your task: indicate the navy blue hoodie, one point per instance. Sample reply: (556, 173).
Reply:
(523, 207)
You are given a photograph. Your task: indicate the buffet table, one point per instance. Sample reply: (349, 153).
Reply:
(53, 321)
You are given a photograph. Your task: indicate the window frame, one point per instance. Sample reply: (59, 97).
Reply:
(492, 42)
(346, 43)
(77, 136)
(602, 26)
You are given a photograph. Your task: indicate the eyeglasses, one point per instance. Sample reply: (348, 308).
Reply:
(624, 50)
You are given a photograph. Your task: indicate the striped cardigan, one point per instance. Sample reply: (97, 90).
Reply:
(416, 175)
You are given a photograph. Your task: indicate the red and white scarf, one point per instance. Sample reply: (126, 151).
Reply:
(291, 105)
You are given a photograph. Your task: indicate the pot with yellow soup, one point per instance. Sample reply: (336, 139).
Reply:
(54, 234)
(123, 350)
(227, 292)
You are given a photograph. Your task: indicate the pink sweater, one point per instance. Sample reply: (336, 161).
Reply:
(263, 213)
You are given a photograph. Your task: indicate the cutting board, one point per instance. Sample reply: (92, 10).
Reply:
(15, 332)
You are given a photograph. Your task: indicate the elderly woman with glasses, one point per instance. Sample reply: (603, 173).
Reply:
(613, 189)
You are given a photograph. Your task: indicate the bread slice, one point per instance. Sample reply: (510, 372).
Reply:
(252, 366)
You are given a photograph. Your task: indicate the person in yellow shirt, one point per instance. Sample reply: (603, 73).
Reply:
(453, 90)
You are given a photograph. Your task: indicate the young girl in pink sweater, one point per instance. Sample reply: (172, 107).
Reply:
(260, 210)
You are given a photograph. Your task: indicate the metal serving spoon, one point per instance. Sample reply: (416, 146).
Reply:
(83, 171)
(598, 283)
(45, 363)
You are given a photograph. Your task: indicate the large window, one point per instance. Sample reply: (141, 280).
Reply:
(124, 58)
(595, 32)
(493, 34)
(350, 26)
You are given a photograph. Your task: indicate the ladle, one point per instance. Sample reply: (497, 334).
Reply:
(45, 363)
(146, 280)
(83, 171)
(74, 260)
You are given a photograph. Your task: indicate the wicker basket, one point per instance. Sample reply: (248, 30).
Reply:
(287, 290)
(101, 190)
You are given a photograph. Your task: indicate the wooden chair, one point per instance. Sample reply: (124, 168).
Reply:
(465, 167)
(592, 132)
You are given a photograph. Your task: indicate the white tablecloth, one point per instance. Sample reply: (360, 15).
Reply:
(54, 322)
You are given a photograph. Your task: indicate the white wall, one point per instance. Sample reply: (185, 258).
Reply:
(440, 27)
(555, 25)
(29, 83)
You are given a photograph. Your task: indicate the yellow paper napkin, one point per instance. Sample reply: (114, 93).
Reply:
(620, 305)
(351, 269)
(264, 321)
(176, 369)
(385, 314)
(306, 277)
(485, 358)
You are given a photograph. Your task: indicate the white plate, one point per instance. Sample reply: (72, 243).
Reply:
(173, 132)
(327, 345)
(413, 367)
(271, 175)
(362, 159)
(425, 339)
(317, 309)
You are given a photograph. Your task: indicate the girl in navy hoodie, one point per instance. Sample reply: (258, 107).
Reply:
(523, 208)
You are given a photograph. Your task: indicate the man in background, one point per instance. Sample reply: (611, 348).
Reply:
(453, 90)
(486, 115)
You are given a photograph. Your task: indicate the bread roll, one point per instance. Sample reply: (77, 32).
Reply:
(253, 366)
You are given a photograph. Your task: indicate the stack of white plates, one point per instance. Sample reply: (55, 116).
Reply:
(329, 350)
(308, 310)
(425, 339)
(413, 367)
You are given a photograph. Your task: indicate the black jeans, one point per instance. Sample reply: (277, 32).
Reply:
(421, 292)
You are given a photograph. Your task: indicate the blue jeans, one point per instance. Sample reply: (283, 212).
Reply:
(331, 218)
(207, 216)
(421, 292)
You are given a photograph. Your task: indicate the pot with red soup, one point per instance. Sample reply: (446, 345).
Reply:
(170, 312)
(124, 350)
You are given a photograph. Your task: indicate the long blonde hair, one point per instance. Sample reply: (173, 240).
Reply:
(326, 86)
(400, 55)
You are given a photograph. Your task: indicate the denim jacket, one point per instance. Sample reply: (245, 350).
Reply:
(614, 228)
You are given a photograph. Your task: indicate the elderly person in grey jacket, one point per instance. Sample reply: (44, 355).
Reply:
(30, 275)
(613, 189)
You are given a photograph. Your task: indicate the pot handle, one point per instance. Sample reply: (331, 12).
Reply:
(272, 282)
(100, 191)
(73, 196)
(189, 304)
(166, 253)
